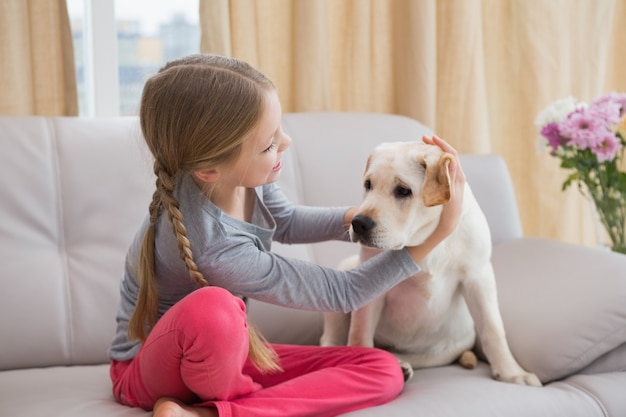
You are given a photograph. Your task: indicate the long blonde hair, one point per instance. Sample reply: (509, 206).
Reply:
(196, 111)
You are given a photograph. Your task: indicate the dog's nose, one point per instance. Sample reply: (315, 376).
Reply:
(362, 225)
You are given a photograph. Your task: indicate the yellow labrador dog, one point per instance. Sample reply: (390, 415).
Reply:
(433, 317)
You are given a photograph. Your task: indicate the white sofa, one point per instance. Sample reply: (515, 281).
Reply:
(73, 190)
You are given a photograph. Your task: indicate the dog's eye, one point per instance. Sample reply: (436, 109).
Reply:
(402, 192)
(367, 185)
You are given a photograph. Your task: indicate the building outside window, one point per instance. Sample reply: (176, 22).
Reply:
(129, 41)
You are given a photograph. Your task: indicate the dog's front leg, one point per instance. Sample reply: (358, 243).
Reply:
(363, 323)
(482, 301)
(336, 327)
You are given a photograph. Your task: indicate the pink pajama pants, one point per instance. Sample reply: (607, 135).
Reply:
(198, 353)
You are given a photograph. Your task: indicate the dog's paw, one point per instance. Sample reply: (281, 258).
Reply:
(407, 370)
(525, 378)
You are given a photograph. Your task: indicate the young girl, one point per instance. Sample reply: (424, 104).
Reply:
(183, 346)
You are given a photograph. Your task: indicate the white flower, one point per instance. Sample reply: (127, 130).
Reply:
(557, 111)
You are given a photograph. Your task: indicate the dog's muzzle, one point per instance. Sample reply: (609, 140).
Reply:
(362, 227)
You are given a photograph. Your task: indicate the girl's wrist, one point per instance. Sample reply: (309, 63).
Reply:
(419, 252)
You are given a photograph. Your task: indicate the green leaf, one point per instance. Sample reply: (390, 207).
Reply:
(569, 180)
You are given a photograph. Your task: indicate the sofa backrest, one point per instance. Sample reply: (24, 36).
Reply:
(74, 190)
(72, 193)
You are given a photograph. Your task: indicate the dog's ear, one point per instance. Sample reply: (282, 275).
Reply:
(436, 187)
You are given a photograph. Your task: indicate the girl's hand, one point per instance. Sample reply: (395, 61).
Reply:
(451, 210)
(348, 216)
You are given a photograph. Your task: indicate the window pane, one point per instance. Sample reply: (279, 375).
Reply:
(76, 12)
(149, 33)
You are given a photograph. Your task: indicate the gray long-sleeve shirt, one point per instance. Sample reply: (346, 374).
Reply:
(236, 255)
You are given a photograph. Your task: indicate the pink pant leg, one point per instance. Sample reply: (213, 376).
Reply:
(320, 381)
(196, 351)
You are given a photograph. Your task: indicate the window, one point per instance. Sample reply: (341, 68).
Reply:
(119, 43)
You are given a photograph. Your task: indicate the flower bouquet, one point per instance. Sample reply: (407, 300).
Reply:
(589, 140)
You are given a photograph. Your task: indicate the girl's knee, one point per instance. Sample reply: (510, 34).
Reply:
(212, 309)
(211, 299)
(389, 371)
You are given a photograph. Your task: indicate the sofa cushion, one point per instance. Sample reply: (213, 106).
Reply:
(452, 391)
(63, 391)
(613, 361)
(556, 325)
(605, 388)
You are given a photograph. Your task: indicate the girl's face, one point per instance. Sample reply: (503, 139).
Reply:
(261, 156)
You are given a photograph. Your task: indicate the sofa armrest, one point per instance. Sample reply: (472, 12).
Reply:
(562, 304)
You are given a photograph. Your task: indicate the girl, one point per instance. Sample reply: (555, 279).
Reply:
(182, 346)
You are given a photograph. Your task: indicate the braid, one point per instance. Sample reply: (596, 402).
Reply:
(165, 186)
(155, 207)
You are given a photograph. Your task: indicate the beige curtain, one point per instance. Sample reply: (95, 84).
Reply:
(477, 71)
(37, 74)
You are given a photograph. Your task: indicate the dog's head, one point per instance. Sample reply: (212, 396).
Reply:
(405, 184)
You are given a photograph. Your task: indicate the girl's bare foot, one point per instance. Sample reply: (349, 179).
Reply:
(170, 407)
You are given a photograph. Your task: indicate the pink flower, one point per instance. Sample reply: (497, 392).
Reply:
(551, 133)
(608, 148)
(582, 129)
(607, 111)
(618, 99)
